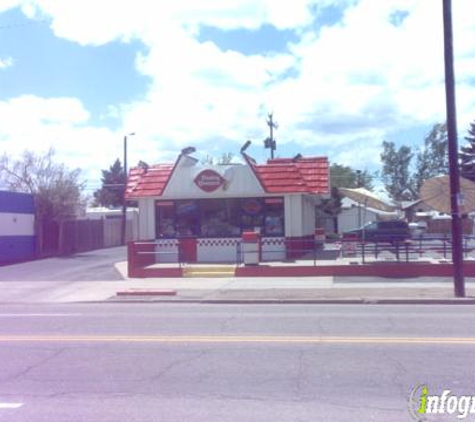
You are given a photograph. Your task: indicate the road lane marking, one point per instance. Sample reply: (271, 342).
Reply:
(234, 339)
(36, 315)
(10, 405)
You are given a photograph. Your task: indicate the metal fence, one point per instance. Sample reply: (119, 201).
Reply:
(419, 248)
(423, 248)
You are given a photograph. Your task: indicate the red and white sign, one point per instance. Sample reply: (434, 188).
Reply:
(209, 180)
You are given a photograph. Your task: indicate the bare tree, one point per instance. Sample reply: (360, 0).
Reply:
(57, 189)
(226, 158)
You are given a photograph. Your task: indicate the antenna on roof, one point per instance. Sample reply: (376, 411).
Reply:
(270, 141)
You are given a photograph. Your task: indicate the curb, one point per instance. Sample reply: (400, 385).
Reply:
(138, 292)
(156, 298)
(341, 301)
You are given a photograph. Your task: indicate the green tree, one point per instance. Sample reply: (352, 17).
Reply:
(346, 177)
(467, 155)
(342, 177)
(396, 171)
(111, 194)
(432, 158)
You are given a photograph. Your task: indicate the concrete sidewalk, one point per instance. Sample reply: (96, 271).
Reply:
(238, 290)
(295, 290)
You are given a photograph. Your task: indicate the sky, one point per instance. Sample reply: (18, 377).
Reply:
(339, 76)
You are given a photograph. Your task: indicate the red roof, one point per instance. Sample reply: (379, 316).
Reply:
(287, 175)
(148, 182)
(281, 175)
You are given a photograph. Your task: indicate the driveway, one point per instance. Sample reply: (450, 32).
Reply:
(88, 266)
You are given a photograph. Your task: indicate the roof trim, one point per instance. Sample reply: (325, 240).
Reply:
(172, 172)
(252, 163)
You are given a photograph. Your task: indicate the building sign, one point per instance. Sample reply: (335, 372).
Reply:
(209, 180)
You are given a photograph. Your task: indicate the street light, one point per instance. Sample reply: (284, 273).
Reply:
(124, 204)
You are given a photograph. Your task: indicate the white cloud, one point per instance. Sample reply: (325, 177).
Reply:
(8, 4)
(350, 84)
(35, 123)
(5, 63)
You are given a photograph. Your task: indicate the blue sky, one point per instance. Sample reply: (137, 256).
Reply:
(340, 77)
(49, 66)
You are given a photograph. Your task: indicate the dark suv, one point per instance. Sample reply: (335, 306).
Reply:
(382, 231)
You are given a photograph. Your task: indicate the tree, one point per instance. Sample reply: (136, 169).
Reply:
(57, 190)
(432, 158)
(467, 155)
(111, 194)
(396, 171)
(342, 177)
(346, 177)
(226, 158)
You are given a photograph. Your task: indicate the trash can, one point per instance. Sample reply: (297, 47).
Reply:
(251, 244)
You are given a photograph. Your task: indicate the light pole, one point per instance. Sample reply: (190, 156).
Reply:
(124, 203)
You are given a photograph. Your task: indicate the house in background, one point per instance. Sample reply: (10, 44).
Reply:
(112, 223)
(415, 211)
(354, 215)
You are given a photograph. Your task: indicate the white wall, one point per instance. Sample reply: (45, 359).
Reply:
(16, 224)
(217, 250)
(348, 219)
(146, 219)
(308, 216)
(293, 215)
(240, 182)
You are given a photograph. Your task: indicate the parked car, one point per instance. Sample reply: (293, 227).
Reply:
(382, 231)
(418, 229)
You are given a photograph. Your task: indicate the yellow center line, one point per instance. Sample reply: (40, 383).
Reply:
(235, 339)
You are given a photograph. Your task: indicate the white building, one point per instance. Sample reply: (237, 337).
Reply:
(201, 211)
(354, 215)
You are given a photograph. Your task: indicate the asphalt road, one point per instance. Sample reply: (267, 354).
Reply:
(168, 362)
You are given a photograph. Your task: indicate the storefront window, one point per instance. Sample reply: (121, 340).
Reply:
(252, 214)
(274, 217)
(219, 218)
(165, 219)
(187, 218)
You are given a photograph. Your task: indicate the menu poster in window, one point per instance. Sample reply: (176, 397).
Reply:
(273, 225)
(252, 206)
(186, 207)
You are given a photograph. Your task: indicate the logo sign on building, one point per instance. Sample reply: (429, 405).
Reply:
(209, 180)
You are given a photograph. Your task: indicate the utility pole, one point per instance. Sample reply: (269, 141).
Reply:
(455, 196)
(358, 185)
(270, 141)
(124, 204)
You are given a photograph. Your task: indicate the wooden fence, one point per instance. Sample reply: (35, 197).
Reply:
(72, 236)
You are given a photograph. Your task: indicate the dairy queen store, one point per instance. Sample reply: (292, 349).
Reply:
(194, 212)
